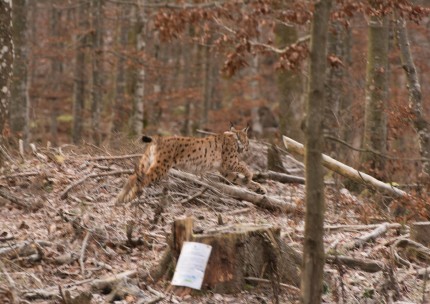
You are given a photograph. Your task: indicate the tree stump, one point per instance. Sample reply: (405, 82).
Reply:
(240, 251)
(420, 232)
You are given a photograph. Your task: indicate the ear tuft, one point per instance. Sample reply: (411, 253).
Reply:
(232, 127)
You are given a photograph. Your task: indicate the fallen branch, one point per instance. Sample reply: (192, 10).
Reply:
(262, 201)
(362, 264)
(65, 193)
(13, 199)
(359, 227)
(380, 230)
(279, 177)
(346, 171)
(22, 174)
(108, 282)
(115, 157)
(260, 280)
(82, 255)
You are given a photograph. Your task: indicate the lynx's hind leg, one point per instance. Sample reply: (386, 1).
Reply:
(133, 187)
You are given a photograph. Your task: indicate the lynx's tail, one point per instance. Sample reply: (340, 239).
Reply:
(129, 192)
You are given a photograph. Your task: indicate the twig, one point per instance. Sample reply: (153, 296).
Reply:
(82, 255)
(114, 157)
(190, 198)
(80, 181)
(260, 280)
(11, 283)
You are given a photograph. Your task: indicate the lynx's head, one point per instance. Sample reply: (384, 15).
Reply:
(242, 139)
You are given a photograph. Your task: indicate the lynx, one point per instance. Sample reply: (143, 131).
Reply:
(220, 152)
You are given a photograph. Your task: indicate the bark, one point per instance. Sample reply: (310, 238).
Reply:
(137, 118)
(56, 71)
(420, 232)
(421, 124)
(207, 86)
(336, 115)
(6, 62)
(240, 251)
(97, 69)
(290, 87)
(375, 125)
(19, 108)
(80, 74)
(313, 249)
(118, 106)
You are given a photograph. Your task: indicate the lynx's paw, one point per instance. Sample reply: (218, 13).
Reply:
(257, 188)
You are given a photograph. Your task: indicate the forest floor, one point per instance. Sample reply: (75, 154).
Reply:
(60, 228)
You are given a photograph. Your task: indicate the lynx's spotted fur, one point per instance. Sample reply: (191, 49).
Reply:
(199, 155)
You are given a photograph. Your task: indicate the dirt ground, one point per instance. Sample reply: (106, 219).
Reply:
(60, 228)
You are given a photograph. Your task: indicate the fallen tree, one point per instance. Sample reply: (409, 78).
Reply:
(346, 171)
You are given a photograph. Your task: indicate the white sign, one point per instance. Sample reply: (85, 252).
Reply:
(191, 266)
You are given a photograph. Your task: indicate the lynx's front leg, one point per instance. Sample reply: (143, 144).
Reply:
(233, 174)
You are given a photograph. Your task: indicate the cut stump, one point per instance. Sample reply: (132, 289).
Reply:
(420, 232)
(240, 251)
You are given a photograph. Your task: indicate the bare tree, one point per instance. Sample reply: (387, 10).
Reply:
(421, 124)
(19, 108)
(6, 60)
(289, 86)
(97, 69)
(375, 121)
(137, 118)
(313, 249)
(80, 73)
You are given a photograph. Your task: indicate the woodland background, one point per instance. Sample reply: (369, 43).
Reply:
(96, 70)
(89, 77)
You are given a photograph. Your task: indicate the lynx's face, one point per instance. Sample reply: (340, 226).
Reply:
(242, 139)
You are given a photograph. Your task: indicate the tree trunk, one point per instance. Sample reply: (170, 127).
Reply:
(137, 118)
(56, 71)
(240, 251)
(6, 64)
(375, 124)
(207, 85)
(80, 74)
(337, 99)
(290, 88)
(97, 69)
(19, 108)
(313, 250)
(119, 100)
(421, 124)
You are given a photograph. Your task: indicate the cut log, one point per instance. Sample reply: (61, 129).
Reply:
(420, 232)
(346, 171)
(241, 251)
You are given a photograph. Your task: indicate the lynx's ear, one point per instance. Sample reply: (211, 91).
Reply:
(232, 129)
(246, 129)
